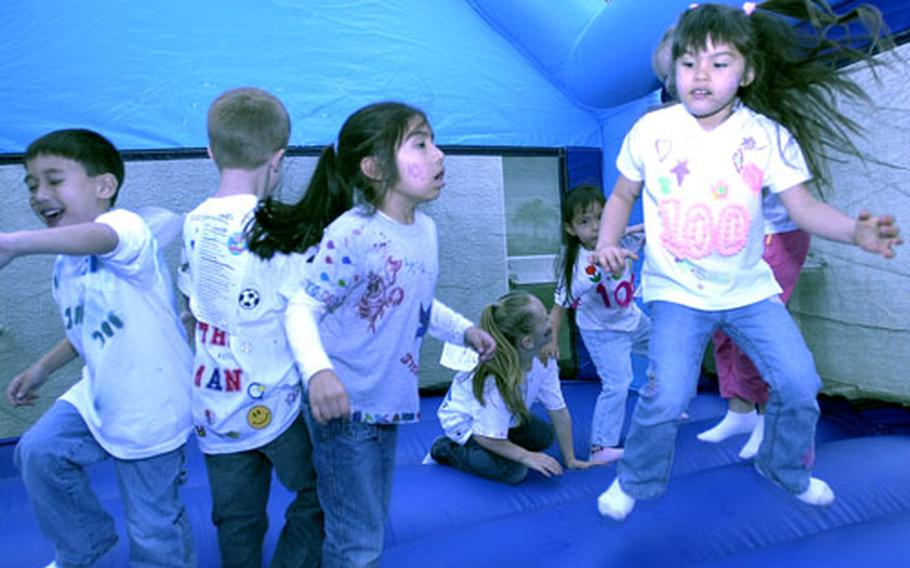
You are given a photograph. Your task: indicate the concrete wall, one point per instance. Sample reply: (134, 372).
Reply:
(469, 216)
(853, 307)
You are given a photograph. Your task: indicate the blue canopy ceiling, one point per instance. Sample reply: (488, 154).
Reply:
(488, 72)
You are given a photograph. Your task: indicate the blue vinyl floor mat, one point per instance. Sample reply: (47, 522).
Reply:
(717, 510)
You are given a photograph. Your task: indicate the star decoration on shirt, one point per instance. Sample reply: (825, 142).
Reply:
(681, 170)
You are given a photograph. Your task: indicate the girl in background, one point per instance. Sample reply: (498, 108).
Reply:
(611, 324)
(756, 111)
(489, 429)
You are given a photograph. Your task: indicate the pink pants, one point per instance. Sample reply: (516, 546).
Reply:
(738, 377)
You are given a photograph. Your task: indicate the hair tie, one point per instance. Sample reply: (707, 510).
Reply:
(749, 7)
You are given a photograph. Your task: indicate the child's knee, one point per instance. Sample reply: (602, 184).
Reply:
(515, 475)
(34, 456)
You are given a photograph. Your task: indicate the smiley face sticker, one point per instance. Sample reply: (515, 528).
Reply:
(259, 417)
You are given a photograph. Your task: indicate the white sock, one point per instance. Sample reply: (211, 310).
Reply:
(752, 445)
(819, 493)
(615, 503)
(732, 424)
(428, 460)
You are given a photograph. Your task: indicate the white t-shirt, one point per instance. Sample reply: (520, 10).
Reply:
(371, 289)
(602, 301)
(702, 195)
(462, 415)
(247, 389)
(119, 314)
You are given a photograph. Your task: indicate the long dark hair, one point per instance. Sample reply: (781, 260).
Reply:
(576, 201)
(796, 67)
(376, 131)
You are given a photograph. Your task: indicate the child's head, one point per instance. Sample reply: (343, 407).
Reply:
(713, 53)
(72, 175)
(369, 158)
(581, 210)
(519, 323)
(248, 128)
(385, 146)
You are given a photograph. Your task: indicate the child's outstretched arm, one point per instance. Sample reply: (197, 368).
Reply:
(562, 424)
(328, 398)
(608, 254)
(22, 389)
(876, 234)
(84, 238)
(538, 461)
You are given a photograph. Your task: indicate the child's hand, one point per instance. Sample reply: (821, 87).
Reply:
(543, 463)
(328, 399)
(22, 389)
(549, 351)
(877, 234)
(612, 258)
(481, 341)
(579, 464)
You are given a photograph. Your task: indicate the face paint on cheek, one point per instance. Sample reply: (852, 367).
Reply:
(417, 172)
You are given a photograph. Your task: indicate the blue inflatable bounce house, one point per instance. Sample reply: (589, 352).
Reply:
(528, 98)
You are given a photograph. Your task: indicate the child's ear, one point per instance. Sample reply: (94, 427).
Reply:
(567, 227)
(105, 186)
(527, 342)
(371, 168)
(748, 77)
(276, 160)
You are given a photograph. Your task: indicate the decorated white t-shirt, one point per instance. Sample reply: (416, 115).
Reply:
(119, 314)
(602, 300)
(703, 203)
(462, 415)
(246, 387)
(371, 289)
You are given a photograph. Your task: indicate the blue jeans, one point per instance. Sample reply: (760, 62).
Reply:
(52, 456)
(354, 466)
(240, 483)
(611, 351)
(766, 332)
(533, 434)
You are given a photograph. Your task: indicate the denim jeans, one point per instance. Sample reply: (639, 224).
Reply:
(611, 351)
(533, 434)
(240, 484)
(785, 253)
(354, 466)
(52, 456)
(768, 335)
